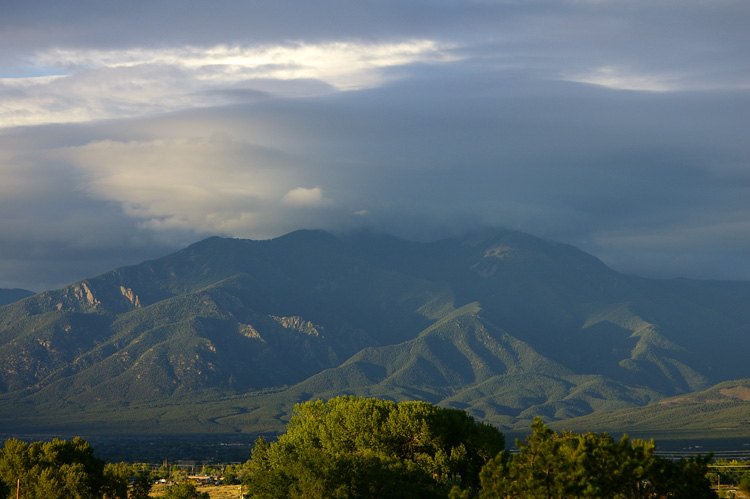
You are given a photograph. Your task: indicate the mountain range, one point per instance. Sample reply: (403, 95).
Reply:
(10, 295)
(226, 335)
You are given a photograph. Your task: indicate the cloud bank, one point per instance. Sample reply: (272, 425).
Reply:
(619, 128)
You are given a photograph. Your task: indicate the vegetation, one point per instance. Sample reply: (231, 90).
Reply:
(226, 336)
(589, 466)
(351, 447)
(184, 490)
(11, 295)
(67, 469)
(693, 415)
(55, 470)
(731, 472)
(359, 447)
(745, 484)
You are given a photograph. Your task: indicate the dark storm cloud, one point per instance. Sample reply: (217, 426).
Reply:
(617, 127)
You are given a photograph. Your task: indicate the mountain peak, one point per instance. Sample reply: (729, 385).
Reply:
(498, 322)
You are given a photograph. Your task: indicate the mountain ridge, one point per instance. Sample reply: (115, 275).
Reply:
(10, 295)
(499, 323)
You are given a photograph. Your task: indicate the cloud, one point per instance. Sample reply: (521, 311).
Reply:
(616, 78)
(593, 167)
(103, 84)
(345, 64)
(208, 185)
(302, 196)
(130, 131)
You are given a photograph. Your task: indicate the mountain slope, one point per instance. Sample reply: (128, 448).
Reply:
(467, 362)
(720, 411)
(10, 295)
(227, 334)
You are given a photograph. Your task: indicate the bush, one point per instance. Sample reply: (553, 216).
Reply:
(745, 484)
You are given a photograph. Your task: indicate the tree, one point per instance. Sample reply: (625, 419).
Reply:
(15, 464)
(116, 477)
(589, 466)
(362, 447)
(52, 470)
(4, 489)
(142, 485)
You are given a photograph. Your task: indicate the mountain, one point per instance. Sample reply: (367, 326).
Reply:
(722, 410)
(11, 295)
(226, 335)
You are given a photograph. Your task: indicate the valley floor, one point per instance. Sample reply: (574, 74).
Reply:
(234, 491)
(214, 491)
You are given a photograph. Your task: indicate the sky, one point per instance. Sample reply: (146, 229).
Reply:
(129, 130)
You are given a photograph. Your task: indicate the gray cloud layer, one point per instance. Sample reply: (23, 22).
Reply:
(621, 128)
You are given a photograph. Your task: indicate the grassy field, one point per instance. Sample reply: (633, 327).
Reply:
(214, 491)
(233, 491)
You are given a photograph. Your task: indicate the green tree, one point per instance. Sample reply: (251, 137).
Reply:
(52, 470)
(116, 477)
(589, 466)
(142, 485)
(162, 473)
(178, 474)
(233, 473)
(15, 464)
(362, 447)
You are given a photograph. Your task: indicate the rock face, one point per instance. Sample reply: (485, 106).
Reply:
(499, 323)
(131, 297)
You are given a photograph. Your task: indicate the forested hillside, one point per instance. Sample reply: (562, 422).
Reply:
(11, 295)
(226, 335)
